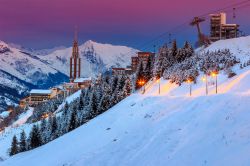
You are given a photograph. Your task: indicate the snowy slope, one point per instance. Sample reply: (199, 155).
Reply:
(170, 129)
(167, 129)
(96, 57)
(240, 47)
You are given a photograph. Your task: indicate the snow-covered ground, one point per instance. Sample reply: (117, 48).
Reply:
(15, 129)
(171, 128)
(168, 129)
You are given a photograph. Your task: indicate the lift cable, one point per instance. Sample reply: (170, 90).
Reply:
(228, 9)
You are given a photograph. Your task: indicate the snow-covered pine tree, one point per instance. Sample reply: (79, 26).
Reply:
(73, 120)
(127, 89)
(94, 105)
(114, 82)
(105, 100)
(188, 50)
(44, 131)
(54, 128)
(81, 100)
(168, 57)
(148, 72)
(22, 142)
(174, 49)
(158, 63)
(14, 146)
(35, 138)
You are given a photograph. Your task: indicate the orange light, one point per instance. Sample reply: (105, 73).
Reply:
(45, 115)
(158, 81)
(203, 79)
(214, 73)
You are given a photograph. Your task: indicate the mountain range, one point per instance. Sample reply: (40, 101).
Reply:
(22, 69)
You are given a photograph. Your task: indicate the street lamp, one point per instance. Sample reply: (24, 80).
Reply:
(204, 79)
(189, 81)
(141, 83)
(159, 81)
(215, 74)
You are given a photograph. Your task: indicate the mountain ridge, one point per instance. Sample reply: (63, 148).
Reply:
(49, 67)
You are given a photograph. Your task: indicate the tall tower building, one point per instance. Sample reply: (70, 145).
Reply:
(219, 29)
(75, 61)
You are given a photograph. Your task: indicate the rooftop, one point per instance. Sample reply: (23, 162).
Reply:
(78, 80)
(40, 91)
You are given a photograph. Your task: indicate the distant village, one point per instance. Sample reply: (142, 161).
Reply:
(219, 29)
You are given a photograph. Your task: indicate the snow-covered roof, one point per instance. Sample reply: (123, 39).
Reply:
(40, 91)
(4, 114)
(78, 80)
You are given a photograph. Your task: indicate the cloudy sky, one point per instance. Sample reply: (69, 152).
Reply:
(49, 23)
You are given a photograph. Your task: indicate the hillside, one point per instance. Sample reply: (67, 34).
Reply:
(167, 129)
(22, 69)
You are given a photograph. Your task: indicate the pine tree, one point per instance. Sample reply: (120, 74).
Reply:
(81, 102)
(94, 105)
(105, 100)
(148, 70)
(14, 146)
(187, 50)
(174, 49)
(121, 83)
(158, 63)
(22, 142)
(66, 106)
(73, 121)
(54, 128)
(114, 83)
(44, 131)
(104, 104)
(127, 88)
(35, 137)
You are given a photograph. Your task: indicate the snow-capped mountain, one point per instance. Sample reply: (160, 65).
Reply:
(172, 128)
(95, 57)
(22, 69)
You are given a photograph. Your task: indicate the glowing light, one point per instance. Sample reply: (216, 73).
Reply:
(214, 73)
(45, 115)
(189, 81)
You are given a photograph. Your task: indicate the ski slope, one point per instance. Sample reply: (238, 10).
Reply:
(170, 128)
(167, 129)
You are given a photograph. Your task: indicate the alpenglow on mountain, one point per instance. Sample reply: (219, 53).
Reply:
(23, 69)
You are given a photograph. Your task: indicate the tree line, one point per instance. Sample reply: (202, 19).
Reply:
(98, 98)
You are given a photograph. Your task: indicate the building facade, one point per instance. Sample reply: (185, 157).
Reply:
(121, 71)
(219, 29)
(38, 96)
(142, 57)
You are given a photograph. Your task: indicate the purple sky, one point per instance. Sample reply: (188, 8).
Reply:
(49, 23)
